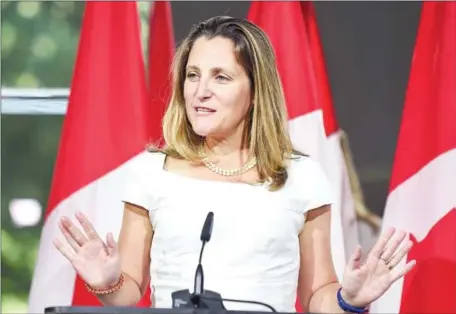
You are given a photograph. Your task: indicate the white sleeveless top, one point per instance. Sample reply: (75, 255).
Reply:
(253, 253)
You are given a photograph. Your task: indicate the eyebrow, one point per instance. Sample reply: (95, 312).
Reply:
(214, 70)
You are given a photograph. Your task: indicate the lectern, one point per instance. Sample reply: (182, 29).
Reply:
(137, 310)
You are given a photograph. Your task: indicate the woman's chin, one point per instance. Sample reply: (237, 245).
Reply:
(203, 132)
(209, 131)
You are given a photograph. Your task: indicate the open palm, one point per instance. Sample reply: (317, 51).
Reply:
(363, 283)
(97, 262)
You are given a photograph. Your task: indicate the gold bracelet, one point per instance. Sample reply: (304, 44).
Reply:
(107, 290)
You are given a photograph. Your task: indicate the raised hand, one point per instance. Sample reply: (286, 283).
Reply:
(96, 262)
(364, 283)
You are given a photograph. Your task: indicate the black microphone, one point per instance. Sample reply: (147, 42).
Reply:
(198, 286)
(201, 298)
(212, 300)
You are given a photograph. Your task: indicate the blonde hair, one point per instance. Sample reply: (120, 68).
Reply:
(267, 134)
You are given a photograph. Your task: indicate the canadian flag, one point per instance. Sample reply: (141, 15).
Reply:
(161, 52)
(107, 127)
(336, 162)
(422, 197)
(312, 124)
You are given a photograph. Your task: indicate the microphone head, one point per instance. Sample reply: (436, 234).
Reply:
(206, 232)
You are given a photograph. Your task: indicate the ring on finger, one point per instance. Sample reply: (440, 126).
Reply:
(399, 256)
(387, 263)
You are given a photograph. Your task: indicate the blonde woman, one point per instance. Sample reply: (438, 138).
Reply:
(228, 151)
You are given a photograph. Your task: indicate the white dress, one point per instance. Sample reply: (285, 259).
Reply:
(253, 253)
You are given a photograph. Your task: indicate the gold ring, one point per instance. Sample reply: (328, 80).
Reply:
(387, 263)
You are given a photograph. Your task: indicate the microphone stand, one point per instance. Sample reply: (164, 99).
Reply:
(198, 288)
(201, 298)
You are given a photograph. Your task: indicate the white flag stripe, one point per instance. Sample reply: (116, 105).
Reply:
(98, 200)
(410, 207)
(308, 136)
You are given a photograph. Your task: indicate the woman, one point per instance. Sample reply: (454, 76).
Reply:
(228, 151)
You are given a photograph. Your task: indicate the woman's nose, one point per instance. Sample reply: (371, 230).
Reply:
(203, 92)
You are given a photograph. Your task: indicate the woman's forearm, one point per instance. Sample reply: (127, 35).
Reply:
(129, 294)
(324, 300)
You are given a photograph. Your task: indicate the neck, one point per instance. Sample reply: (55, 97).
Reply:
(234, 147)
(222, 148)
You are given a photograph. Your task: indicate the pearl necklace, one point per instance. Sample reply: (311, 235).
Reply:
(230, 172)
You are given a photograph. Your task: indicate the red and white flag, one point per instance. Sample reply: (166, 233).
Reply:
(422, 197)
(161, 52)
(312, 125)
(335, 162)
(107, 126)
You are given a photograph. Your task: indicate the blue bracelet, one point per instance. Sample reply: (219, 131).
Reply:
(347, 307)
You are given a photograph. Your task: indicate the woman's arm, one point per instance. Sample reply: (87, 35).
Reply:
(134, 247)
(318, 284)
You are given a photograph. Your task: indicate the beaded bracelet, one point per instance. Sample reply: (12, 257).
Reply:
(107, 290)
(347, 307)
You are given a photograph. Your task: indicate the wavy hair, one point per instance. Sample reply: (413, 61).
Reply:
(267, 133)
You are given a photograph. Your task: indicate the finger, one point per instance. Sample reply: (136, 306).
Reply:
(64, 250)
(87, 226)
(400, 272)
(74, 232)
(111, 244)
(71, 241)
(379, 247)
(355, 259)
(401, 253)
(392, 245)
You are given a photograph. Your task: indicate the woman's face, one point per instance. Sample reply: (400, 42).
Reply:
(216, 89)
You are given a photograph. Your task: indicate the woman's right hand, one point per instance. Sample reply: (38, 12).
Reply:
(96, 262)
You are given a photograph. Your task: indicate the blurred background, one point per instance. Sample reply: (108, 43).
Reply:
(368, 48)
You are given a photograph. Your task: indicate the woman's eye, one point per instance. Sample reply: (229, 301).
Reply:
(191, 75)
(221, 78)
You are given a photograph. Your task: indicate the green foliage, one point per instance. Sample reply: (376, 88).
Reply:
(39, 41)
(29, 145)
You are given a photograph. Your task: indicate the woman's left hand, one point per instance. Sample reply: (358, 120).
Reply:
(364, 283)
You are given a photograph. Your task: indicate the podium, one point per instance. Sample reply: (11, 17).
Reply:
(137, 310)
